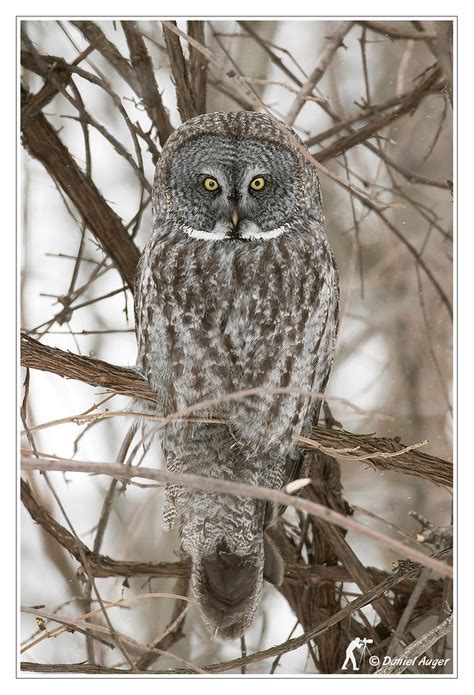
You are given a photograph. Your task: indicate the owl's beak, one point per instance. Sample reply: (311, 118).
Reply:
(235, 217)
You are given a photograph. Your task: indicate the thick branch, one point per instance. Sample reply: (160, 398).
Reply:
(130, 383)
(62, 75)
(413, 462)
(43, 143)
(91, 371)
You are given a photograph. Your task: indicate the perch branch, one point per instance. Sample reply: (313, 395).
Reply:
(129, 382)
(91, 371)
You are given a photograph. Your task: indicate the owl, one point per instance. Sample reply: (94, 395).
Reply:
(236, 288)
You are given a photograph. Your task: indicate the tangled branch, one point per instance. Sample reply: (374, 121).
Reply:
(204, 68)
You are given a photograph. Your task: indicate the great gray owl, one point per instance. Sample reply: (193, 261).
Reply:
(236, 288)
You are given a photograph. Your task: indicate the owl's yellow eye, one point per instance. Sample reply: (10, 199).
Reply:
(258, 183)
(210, 184)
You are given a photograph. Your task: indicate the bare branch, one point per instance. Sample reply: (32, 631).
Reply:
(104, 631)
(109, 51)
(145, 75)
(43, 143)
(332, 44)
(184, 94)
(412, 462)
(198, 65)
(276, 60)
(48, 91)
(407, 104)
(92, 371)
(442, 47)
(91, 669)
(388, 29)
(98, 565)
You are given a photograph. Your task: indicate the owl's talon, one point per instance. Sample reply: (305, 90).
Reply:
(329, 420)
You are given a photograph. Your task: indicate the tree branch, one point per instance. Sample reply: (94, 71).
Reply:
(98, 565)
(332, 44)
(87, 369)
(389, 29)
(43, 143)
(91, 669)
(418, 647)
(145, 76)
(109, 51)
(407, 104)
(179, 70)
(129, 382)
(198, 65)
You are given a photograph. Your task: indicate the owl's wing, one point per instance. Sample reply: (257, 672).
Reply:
(295, 460)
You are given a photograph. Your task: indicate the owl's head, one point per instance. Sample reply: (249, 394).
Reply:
(235, 176)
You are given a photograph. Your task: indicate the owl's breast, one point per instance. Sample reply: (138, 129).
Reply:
(215, 319)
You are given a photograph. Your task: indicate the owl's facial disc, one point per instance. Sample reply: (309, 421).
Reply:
(233, 189)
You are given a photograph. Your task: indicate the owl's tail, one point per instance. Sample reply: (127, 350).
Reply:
(229, 586)
(224, 535)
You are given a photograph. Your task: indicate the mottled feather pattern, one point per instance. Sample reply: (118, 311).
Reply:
(218, 316)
